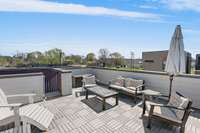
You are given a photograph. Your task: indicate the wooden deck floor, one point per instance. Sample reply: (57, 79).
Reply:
(76, 115)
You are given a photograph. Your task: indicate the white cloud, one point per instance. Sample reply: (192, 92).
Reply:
(191, 31)
(68, 8)
(147, 7)
(183, 4)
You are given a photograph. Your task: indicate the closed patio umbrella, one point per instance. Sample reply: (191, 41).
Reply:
(176, 59)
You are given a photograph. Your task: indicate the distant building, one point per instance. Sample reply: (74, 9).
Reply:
(156, 61)
(198, 62)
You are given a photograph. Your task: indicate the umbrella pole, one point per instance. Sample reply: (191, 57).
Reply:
(171, 77)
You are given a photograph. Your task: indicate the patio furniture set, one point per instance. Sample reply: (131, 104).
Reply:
(175, 112)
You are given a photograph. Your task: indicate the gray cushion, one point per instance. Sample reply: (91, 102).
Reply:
(131, 91)
(89, 80)
(180, 102)
(163, 112)
(90, 85)
(132, 88)
(129, 82)
(149, 103)
(118, 81)
(116, 87)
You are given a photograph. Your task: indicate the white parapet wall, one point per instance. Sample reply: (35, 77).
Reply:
(188, 85)
(21, 84)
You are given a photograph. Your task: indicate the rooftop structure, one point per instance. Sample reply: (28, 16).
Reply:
(155, 60)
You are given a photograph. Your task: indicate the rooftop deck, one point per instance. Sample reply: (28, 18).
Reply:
(76, 115)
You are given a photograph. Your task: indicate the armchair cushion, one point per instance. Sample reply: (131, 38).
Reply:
(180, 102)
(133, 83)
(166, 113)
(163, 112)
(149, 103)
(89, 80)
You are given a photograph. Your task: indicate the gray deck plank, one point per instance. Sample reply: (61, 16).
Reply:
(72, 115)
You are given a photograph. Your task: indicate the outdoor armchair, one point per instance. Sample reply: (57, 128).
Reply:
(175, 112)
(89, 81)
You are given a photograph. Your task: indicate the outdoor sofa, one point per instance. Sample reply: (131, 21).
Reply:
(128, 86)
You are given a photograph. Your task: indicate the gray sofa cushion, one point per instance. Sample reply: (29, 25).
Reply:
(131, 91)
(116, 87)
(118, 81)
(133, 83)
(132, 88)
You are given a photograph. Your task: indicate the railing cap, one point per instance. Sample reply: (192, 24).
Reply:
(149, 72)
(20, 75)
(62, 70)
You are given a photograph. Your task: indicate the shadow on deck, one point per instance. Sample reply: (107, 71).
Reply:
(75, 114)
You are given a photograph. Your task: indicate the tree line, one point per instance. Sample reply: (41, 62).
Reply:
(55, 57)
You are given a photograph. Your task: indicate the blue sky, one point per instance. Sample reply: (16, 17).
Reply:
(82, 26)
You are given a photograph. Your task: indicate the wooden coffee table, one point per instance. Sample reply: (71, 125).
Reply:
(103, 93)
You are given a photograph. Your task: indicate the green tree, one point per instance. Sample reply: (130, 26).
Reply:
(117, 59)
(54, 56)
(77, 59)
(90, 59)
(5, 61)
(35, 58)
(19, 59)
(103, 55)
(73, 59)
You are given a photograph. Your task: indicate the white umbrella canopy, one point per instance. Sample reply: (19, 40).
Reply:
(176, 59)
